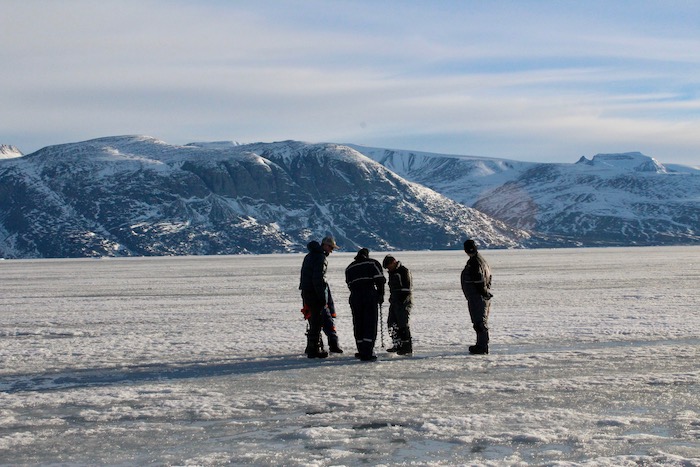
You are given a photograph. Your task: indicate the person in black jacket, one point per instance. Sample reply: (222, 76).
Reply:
(400, 304)
(476, 285)
(314, 291)
(365, 280)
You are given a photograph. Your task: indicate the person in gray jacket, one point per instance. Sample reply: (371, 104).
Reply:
(476, 285)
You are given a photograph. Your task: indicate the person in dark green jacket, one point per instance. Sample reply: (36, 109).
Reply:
(476, 285)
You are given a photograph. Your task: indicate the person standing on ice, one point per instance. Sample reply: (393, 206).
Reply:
(476, 285)
(314, 293)
(365, 279)
(400, 304)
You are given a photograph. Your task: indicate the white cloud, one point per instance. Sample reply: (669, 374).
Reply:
(465, 76)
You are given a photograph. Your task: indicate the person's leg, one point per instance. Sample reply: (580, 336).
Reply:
(369, 329)
(313, 346)
(328, 325)
(403, 317)
(478, 311)
(393, 328)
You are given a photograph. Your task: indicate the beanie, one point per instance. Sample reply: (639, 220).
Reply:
(470, 247)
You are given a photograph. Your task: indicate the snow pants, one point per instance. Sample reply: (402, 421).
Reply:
(479, 309)
(398, 322)
(328, 326)
(328, 321)
(313, 335)
(365, 310)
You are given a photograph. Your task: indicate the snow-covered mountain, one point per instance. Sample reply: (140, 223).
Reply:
(464, 179)
(135, 195)
(9, 152)
(611, 199)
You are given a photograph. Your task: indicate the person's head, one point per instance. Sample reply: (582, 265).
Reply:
(362, 253)
(470, 247)
(328, 244)
(390, 263)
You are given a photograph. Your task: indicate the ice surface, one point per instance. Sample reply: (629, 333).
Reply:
(198, 360)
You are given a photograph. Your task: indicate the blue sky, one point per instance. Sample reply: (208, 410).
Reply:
(545, 81)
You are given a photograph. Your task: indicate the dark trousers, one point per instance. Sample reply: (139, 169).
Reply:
(479, 313)
(315, 320)
(398, 322)
(365, 311)
(328, 326)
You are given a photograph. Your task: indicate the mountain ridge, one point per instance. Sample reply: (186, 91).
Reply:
(610, 199)
(137, 195)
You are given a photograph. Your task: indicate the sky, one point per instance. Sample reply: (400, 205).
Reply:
(532, 80)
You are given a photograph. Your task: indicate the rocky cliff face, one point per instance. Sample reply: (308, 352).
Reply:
(140, 196)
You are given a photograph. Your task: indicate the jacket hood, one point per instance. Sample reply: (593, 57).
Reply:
(313, 246)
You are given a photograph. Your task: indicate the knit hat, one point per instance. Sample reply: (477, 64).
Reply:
(388, 259)
(362, 253)
(470, 247)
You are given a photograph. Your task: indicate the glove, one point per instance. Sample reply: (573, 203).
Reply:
(306, 311)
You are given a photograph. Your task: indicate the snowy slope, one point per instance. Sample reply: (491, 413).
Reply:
(612, 199)
(135, 195)
(9, 152)
(623, 199)
(463, 178)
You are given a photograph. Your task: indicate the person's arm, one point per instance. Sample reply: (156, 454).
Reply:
(379, 281)
(319, 279)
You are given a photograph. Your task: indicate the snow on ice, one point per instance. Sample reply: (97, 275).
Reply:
(198, 361)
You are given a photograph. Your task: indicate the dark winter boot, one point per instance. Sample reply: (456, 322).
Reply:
(365, 350)
(395, 339)
(482, 343)
(313, 343)
(318, 354)
(334, 347)
(406, 347)
(314, 347)
(482, 339)
(478, 349)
